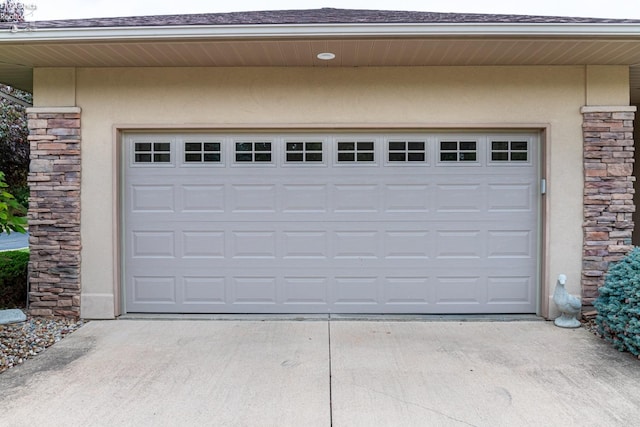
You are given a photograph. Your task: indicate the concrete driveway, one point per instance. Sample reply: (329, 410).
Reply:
(321, 373)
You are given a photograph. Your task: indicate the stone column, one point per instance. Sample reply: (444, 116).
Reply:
(608, 192)
(54, 211)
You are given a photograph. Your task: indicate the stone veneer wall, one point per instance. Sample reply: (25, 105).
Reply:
(608, 192)
(54, 211)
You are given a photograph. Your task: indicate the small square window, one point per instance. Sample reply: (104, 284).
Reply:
(499, 145)
(365, 157)
(449, 157)
(142, 158)
(294, 146)
(212, 157)
(518, 157)
(416, 157)
(295, 157)
(263, 146)
(313, 146)
(161, 146)
(263, 157)
(397, 157)
(397, 146)
(448, 146)
(518, 146)
(346, 157)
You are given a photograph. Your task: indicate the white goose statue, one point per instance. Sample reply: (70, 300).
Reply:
(568, 305)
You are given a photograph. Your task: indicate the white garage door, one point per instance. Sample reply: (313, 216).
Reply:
(339, 223)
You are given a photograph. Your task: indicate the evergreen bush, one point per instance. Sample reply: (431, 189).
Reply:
(618, 305)
(13, 278)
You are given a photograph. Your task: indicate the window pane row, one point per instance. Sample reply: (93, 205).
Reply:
(347, 151)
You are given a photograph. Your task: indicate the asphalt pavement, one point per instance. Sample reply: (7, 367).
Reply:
(13, 241)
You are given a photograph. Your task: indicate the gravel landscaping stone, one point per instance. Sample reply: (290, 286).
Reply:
(24, 340)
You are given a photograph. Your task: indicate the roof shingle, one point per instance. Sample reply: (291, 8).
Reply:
(320, 16)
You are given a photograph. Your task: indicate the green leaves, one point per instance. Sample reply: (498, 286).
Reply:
(9, 205)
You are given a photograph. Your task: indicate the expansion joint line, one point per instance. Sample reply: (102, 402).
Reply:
(330, 373)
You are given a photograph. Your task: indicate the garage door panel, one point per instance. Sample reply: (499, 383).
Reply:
(254, 290)
(306, 290)
(510, 244)
(154, 290)
(459, 244)
(253, 198)
(509, 290)
(152, 198)
(466, 198)
(153, 244)
(403, 291)
(407, 198)
(305, 198)
(305, 244)
(204, 290)
(203, 244)
(203, 198)
(355, 198)
(416, 244)
(377, 237)
(509, 197)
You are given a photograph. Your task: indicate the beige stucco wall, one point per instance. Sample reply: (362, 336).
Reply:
(54, 87)
(607, 85)
(434, 97)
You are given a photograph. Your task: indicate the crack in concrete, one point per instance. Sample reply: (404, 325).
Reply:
(407, 402)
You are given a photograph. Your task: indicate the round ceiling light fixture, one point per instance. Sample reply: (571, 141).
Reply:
(326, 56)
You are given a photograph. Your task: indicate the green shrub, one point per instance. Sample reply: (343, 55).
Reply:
(618, 305)
(9, 208)
(22, 197)
(13, 278)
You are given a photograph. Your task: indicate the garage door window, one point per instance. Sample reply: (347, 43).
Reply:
(152, 152)
(202, 152)
(458, 151)
(253, 152)
(407, 151)
(509, 151)
(356, 152)
(303, 151)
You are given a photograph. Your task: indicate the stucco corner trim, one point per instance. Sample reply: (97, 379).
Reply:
(608, 109)
(54, 110)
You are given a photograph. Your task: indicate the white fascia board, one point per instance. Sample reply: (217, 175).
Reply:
(27, 32)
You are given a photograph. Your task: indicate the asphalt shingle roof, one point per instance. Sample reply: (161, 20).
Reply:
(321, 16)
